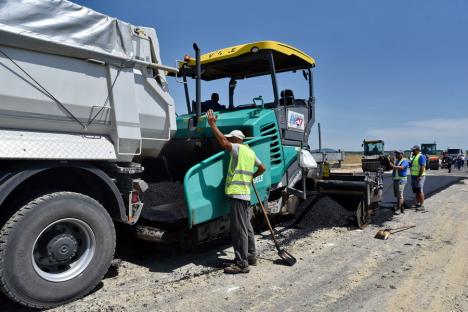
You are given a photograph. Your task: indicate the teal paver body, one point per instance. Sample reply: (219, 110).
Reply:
(204, 182)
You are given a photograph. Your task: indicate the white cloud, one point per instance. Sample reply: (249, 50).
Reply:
(446, 132)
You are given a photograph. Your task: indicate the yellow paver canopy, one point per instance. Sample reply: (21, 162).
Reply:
(248, 60)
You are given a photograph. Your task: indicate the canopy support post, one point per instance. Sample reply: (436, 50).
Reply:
(271, 62)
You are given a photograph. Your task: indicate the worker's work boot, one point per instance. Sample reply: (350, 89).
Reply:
(252, 261)
(227, 263)
(402, 209)
(236, 269)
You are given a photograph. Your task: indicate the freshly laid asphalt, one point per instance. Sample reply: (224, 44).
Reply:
(432, 185)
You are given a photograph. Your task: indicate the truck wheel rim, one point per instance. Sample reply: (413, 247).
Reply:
(63, 250)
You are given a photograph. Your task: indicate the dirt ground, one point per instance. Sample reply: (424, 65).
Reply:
(339, 268)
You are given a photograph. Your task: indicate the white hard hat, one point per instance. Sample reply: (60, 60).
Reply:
(236, 134)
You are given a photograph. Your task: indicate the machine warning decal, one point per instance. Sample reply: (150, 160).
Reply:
(295, 121)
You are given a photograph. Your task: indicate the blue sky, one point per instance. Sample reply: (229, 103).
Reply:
(395, 70)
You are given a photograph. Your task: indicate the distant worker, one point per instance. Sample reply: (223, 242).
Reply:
(239, 177)
(459, 161)
(212, 104)
(400, 173)
(418, 176)
(447, 162)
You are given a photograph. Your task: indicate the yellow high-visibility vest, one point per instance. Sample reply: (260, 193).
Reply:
(238, 179)
(415, 167)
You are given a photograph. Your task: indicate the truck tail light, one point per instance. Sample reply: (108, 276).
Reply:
(135, 197)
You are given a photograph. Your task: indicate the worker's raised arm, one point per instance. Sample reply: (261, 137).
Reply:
(218, 135)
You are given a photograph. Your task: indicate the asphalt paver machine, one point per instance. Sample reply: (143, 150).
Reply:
(280, 128)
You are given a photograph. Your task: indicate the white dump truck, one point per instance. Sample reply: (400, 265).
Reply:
(83, 97)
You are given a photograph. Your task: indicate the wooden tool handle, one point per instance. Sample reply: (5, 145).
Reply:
(266, 217)
(402, 228)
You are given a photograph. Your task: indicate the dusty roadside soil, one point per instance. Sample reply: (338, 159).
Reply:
(339, 268)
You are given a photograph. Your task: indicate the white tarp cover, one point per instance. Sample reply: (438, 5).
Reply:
(63, 27)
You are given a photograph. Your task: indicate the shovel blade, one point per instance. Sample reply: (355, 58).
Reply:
(287, 257)
(382, 234)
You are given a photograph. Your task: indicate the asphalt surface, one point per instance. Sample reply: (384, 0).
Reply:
(433, 184)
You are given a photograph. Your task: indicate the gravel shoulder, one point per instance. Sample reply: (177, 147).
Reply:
(339, 268)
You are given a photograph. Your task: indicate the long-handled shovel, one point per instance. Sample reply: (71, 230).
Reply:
(385, 234)
(282, 253)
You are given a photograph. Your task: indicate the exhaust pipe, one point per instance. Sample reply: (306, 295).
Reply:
(197, 84)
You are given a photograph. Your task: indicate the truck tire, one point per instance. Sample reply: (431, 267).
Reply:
(55, 249)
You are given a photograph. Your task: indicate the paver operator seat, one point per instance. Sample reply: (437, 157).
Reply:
(287, 97)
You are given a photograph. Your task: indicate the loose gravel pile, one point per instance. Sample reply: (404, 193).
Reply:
(325, 214)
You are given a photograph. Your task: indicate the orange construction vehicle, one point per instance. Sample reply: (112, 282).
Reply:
(432, 155)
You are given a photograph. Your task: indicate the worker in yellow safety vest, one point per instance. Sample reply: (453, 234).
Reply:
(241, 171)
(418, 176)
